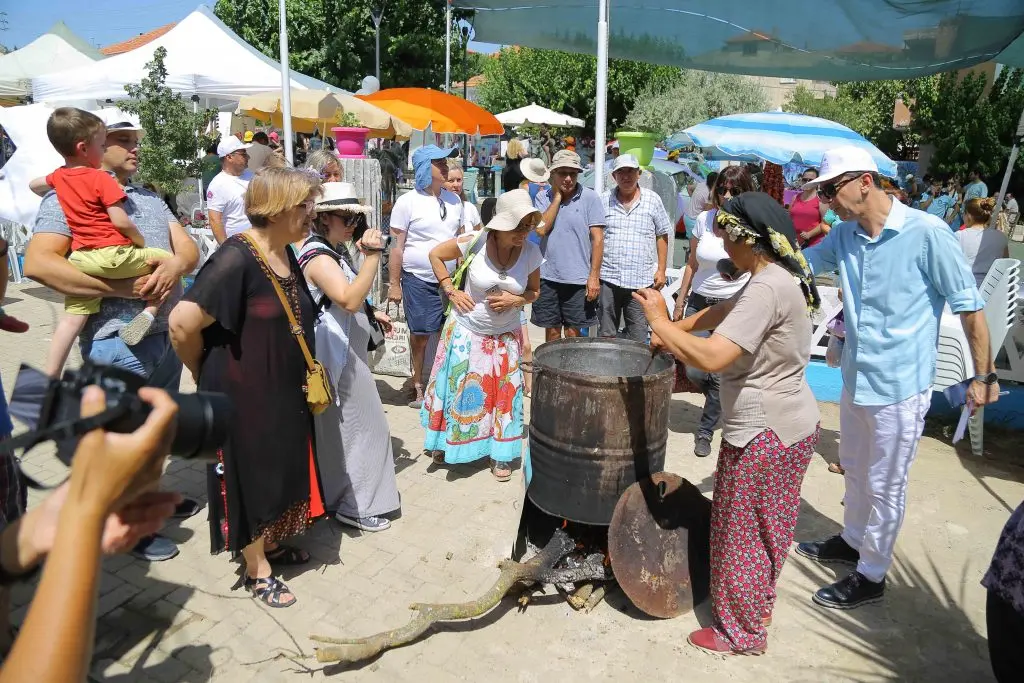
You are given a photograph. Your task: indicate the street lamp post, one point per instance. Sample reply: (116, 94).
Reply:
(377, 13)
(465, 53)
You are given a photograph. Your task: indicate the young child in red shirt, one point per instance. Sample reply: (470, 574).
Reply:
(104, 240)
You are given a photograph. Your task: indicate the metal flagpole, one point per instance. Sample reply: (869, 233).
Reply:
(448, 46)
(377, 14)
(600, 126)
(286, 90)
(1009, 171)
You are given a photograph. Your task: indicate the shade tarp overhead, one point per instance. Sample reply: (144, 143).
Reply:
(204, 58)
(837, 40)
(318, 109)
(780, 137)
(443, 113)
(55, 50)
(538, 115)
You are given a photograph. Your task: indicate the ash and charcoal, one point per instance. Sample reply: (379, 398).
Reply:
(583, 574)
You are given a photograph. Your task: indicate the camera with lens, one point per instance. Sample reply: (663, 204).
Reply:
(202, 421)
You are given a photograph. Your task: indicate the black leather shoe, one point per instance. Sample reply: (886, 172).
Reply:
(833, 549)
(850, 592)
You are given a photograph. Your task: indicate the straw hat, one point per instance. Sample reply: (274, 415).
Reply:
(534, 170)
(510, 209)
(340, 197)
(565, 159)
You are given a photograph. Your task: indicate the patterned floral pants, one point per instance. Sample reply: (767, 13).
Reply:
(754, 513)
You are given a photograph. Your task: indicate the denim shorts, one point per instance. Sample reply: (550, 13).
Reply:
(563, 305)
(424, 308)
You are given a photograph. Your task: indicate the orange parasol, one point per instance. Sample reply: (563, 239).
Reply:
(422, 107)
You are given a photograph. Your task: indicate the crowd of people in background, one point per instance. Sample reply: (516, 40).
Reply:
(288, 288)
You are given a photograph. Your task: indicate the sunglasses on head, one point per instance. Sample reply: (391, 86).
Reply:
(829, 190)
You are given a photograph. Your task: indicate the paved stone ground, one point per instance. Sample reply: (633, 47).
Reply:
(182, 621)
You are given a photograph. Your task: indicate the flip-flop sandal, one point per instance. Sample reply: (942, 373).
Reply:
(268, 590)
(288, 556)
(836, 468)
(502, 471)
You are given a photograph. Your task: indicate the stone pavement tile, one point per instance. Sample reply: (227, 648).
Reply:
(116, 598)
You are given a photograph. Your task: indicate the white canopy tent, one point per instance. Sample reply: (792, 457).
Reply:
(204, 58)
(538, 115)
(55, 50)
(34, 157)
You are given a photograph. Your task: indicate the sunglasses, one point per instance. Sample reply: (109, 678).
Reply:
(828, 191)
(724, 190)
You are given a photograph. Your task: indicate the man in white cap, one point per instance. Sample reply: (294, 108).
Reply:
(225, 197)
(46, 262)
(572, 241)
(898, 267)
(635, 249)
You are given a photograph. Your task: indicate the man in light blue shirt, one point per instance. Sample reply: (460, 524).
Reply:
(974, 189)
(937, 202)
(898, 267)
(572, 241)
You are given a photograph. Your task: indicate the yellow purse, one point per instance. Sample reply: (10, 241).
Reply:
(318, 383)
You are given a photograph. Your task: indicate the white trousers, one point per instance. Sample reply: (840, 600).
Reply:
(877, 444)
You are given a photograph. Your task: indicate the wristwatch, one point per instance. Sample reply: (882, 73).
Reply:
(990, 379)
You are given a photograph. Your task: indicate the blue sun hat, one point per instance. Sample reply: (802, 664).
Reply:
(422, 158)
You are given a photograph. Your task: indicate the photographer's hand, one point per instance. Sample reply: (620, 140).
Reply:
(55, 643)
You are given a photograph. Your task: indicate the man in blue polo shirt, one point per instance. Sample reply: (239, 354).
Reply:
(572, 241)
(898, 267)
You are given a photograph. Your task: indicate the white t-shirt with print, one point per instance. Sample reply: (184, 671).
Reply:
(419, 215)
(710, 250)
(483, 275)
(226, 195)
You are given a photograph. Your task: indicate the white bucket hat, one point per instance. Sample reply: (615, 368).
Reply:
(340, 197)
(534, 170)
(510, 209)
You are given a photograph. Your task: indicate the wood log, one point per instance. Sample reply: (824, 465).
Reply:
(539, 569)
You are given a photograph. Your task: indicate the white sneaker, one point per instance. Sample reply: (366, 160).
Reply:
(136, 330)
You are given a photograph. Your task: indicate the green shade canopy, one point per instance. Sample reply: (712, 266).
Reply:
(837, 40)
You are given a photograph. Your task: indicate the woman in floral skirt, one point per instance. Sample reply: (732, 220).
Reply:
(760, 345)
(473, 406)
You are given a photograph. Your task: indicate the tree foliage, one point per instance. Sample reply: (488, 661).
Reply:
(565, 82)
(691, 98)
(169, 151)
(333, 40)
(967, 127)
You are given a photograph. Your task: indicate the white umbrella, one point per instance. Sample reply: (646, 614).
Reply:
(538, 115)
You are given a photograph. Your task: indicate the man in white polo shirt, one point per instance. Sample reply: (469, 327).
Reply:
(225, 198)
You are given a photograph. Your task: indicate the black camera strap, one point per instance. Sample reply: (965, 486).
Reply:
(59, 431)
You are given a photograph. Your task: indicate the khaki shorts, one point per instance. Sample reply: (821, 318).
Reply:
(112, 263)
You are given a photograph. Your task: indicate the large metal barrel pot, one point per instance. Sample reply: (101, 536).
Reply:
(598, 421)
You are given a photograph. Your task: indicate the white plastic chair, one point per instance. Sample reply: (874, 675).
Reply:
(954, 363)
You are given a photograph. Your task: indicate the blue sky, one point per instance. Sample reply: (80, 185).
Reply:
(105, 21)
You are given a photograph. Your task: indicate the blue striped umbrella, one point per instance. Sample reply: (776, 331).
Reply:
(780, 137)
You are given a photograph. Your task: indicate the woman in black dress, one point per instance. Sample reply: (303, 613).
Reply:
(231, 331)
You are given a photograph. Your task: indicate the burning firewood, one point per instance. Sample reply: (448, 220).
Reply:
(538, 570)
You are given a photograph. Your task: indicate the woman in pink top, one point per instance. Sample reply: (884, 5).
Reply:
(807, 212)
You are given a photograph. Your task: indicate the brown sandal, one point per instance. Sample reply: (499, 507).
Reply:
(437, 457)
(502, 471)
(836, 468)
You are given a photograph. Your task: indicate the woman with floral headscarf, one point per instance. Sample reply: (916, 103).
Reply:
(760, 345)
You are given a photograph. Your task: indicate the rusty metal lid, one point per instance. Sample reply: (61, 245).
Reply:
(658, 545)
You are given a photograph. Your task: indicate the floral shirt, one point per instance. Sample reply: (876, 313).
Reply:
(1005, 575)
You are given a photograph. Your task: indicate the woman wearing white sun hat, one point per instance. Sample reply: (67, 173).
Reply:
(473, 406)
(353, 440)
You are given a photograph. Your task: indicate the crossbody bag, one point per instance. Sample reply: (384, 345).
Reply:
(318, 386)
